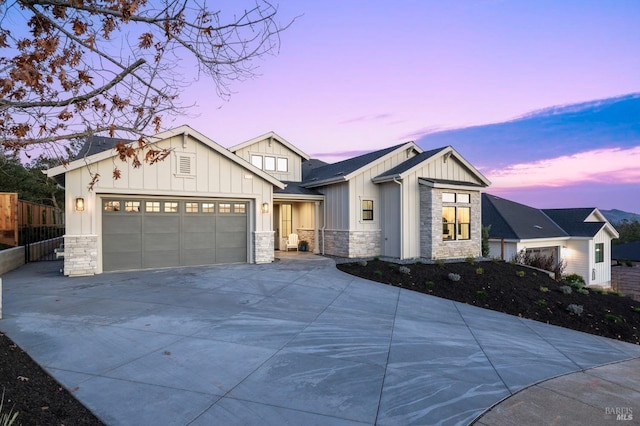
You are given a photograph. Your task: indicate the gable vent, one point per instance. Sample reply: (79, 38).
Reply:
(184, 165)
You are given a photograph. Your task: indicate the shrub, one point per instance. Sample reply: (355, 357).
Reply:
(419, 262)
(362, 262)
(482, 294)
(404, 270)
(613, 318)
(574, 280)
(628, 263)
(542, 302)
(470, 260)
(583, 291)
(544, 289)
(597, 290)
(575, 309)
(565, 289)
(479, 271)
(520, 273)
(615, 293)
(6, 418)
(377, 273)
(637, 310)
(541, 261)
(376, 258)
(439, 263)
(429, 284)
(393, 266)
(454, 277)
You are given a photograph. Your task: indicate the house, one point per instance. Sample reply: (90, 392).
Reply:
(206, 204)
(581, 237)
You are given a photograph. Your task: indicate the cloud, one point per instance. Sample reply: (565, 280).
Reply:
(371, 117)
(607, 165)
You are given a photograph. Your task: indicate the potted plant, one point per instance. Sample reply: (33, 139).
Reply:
(303, 245)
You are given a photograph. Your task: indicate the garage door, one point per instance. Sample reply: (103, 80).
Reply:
(152, 233)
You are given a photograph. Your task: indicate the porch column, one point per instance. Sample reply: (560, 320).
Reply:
(316, 246)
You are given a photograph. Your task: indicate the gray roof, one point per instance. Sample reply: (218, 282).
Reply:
(295, 188)
(628, 251)
(95, 144)
(311, 164)
(411, 162)
(345, 167)
(515, 221)
(573, 221)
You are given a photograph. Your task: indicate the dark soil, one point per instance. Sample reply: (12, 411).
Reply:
(498, 286)
(34, 395)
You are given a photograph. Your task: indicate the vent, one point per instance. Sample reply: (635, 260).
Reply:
(184, 165)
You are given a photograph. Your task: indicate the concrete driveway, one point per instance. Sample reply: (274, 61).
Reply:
(293, 342)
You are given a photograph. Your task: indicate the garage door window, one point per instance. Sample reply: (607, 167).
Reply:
(112, 206)
(208, 208)
(224, 208)
(132, 206)
(239, 208)
(191, 207)
(152, 206)
(170, 207)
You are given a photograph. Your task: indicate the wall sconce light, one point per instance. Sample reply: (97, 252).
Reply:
(265, 207)
(80, 204)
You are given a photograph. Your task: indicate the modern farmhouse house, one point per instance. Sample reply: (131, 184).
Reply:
(206, 204)
(581, 236)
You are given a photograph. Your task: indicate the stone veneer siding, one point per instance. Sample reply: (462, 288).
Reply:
(308, 235)
(352, 243)
(80, 254)
(263, 246)
(432, 246)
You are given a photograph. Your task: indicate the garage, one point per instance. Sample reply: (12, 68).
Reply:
(139, 233)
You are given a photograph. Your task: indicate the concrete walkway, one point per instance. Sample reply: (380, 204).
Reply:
(293, 342)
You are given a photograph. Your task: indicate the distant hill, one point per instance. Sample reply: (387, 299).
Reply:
(612, 122)
(617, 216)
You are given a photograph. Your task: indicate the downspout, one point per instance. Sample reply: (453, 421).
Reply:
(395, 179)
(324, 221)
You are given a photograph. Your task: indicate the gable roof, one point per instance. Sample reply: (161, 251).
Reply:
(270, 135)
(342, 170)
(182, 130)
(574, 221)
(95, 144)
(417, 161)
(515, 221)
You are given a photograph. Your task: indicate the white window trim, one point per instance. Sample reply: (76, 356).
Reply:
(376, 211)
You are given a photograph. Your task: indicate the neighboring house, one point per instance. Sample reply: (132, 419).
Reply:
(206, 204)
(627, 251)
(625, 273)
(581, 237)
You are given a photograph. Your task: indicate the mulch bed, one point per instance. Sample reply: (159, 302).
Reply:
(34, 395)
(499, 286)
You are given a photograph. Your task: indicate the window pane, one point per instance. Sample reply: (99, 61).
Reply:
(287, 219)
(208, 208)
(464, 215)
(112, 206)
(256, 160)
(170, 207)
(224, 208)
(367, 209)
(463, 198)
(599, 252)
(283, 164)
(464, 231)
(239, 208)
(448, 223)
(132, 206)
(448, 197)
(191, 207)
(270, 163)
(152, 206)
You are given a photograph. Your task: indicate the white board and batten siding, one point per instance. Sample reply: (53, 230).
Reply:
(272, 148)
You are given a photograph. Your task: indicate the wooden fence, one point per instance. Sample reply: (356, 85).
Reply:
(17, 215)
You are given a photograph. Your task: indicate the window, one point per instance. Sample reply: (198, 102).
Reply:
(287, 219)
(208, 208)
(239, 208)
(132, 206)
(170, 207)
(367, 209)
(224, 208)
(152, 206)
(191, 207)
(448, 197)
(463, 198)
(112, 206)
(256, 160)
(270, 163)
(599, 252)
(283, 164)
(456, 223)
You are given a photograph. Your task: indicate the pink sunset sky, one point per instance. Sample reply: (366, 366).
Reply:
(363, 75)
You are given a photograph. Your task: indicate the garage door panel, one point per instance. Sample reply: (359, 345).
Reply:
(148, 239)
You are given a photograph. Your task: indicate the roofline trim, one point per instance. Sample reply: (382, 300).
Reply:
(268, 135)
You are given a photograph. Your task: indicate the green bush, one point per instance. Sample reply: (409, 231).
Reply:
(404, 270)
(429, 284)
(377, 273)
(544, 289)
(520, 273)
(439, 263)
(613, 318)
(376, 258)
(565, 289)
(575, 309)
(542, 302)
(470, 260)
(482, 294)
(637, 310)
(583, 291)
(479, 271)
(6, 418)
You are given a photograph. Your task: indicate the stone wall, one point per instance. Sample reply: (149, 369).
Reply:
(308, 235)
(80, 255)
(432, 246)
(263, 246)
(352, 243)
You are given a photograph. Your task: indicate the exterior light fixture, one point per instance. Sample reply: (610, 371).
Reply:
(80, 204)
(265, 207)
